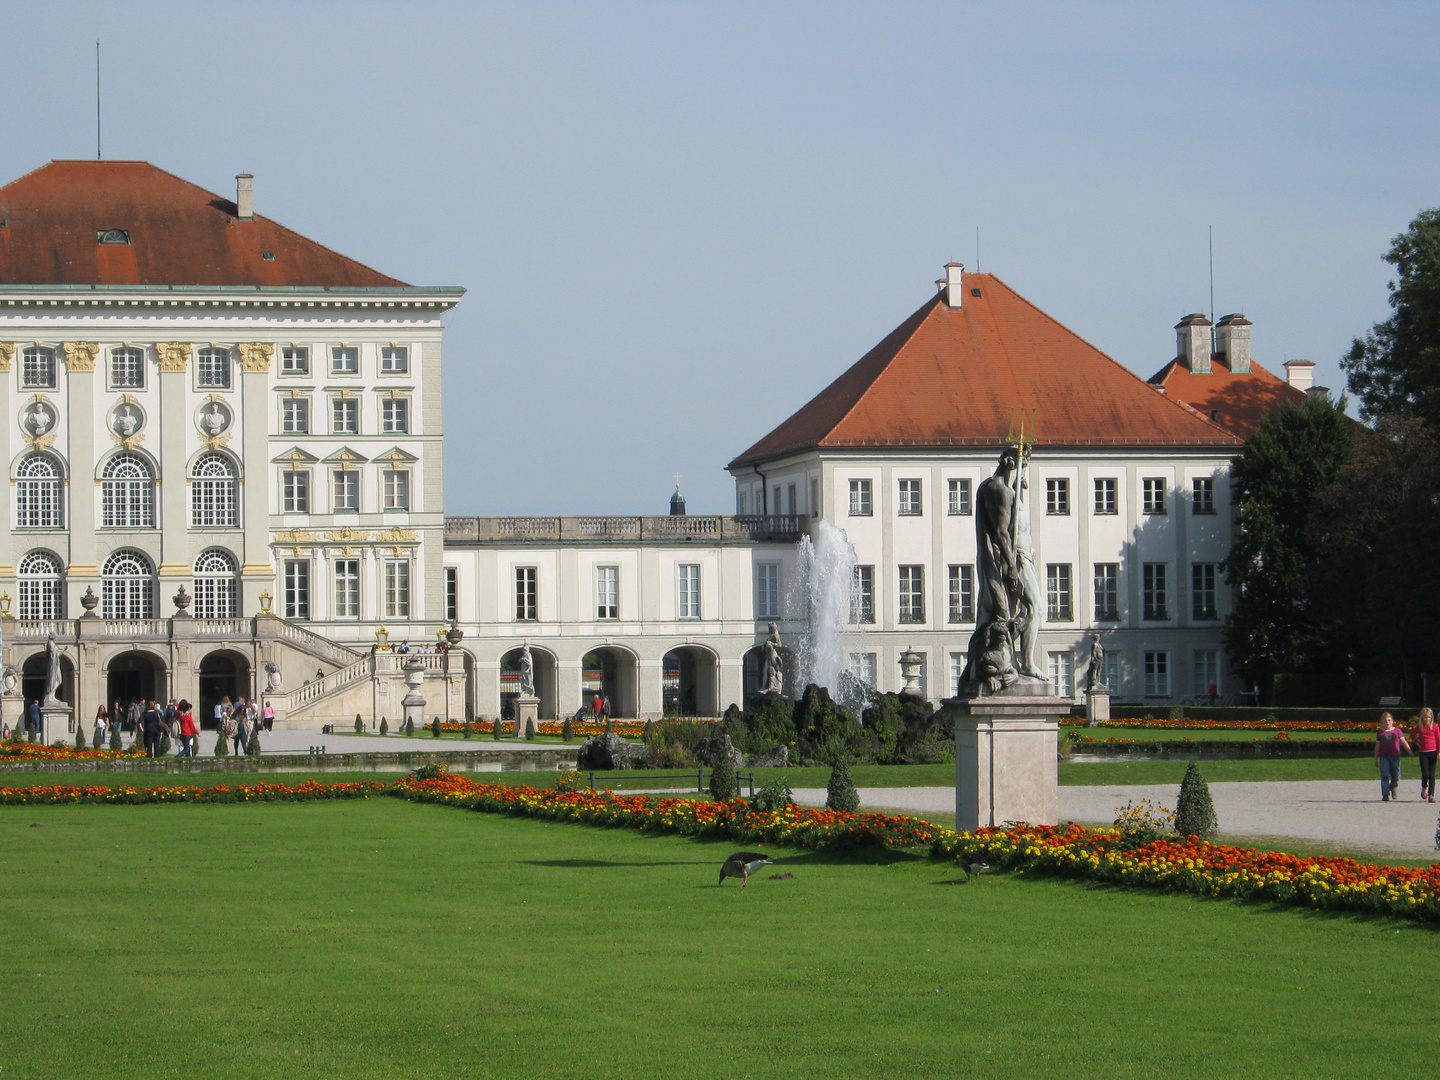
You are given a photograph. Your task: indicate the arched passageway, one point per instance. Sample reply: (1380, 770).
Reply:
(545, 682)
(222, 674)
(134, 676)
(614, 672)
(34, 673)
(690, 682)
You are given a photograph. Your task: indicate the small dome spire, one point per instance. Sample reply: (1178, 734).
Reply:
(677, 501)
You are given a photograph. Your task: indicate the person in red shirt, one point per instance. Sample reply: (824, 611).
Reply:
(189, 733)
(1389, 744)
(1427, 749)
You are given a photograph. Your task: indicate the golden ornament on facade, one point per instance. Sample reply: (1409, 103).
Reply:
(173, 355)
(347, 535)
(255, 356)
(80, 355)
(297, 536)
(7, 354)
(396, 535)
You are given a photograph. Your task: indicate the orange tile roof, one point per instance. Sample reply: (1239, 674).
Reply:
(180, 234)
(948, 377)
(1235, 402)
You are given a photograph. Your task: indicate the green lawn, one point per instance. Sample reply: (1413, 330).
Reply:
(1209, 735)
(1166, 772)
(388, 939)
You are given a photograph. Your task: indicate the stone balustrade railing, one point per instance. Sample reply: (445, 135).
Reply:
(481, 530)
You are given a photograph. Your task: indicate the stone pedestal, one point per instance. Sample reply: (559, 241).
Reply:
(12, 708)
(527, 707)
(1097, 705)
(1005, 749)
(55, 722)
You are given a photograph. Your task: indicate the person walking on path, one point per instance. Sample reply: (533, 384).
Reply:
(269, 716)
(151, 721)
(1389, 744)
(189, 732)
(1427, 749)
(102, 722)
(242, 730)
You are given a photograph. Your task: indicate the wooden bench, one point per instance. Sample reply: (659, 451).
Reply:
(1390, 702)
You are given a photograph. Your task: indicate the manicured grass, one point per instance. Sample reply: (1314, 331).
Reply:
(1167, 772)
(387, 939)
(1210, 734)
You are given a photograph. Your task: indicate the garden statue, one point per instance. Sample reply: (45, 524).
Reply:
(527, 672)
(1095, 677)
(272, 677)
(52, 670)
(773, 676)
(10, 680)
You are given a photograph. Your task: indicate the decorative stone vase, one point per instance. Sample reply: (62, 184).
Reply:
(910, 662)
(454, 635)
(182, 604)
(89, 601)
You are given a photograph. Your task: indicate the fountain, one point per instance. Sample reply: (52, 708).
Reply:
(821, 595)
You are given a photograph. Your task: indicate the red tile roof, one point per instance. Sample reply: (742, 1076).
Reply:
(180, 234)
(1236, 402)
(948, 377)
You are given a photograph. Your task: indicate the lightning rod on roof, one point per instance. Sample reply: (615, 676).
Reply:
(97, 99)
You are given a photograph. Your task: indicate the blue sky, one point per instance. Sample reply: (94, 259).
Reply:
(678, 222)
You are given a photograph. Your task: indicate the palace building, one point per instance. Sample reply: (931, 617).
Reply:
(225, 447)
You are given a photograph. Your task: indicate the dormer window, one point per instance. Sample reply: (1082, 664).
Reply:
(112, 236)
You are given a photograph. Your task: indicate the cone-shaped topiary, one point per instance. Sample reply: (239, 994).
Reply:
(97, 741)
(222, 745)
(79, 737)
(252, 747)
(409, 726)
(468, 731)
(530, 730)
(384, 726)
(359, 724)
(435, 728)
(723, 783)
(649, 730)
(495, 731)
(567, 730)
(114, 736)
(840, 793)
(164, 744)
(609, 726)
(1194, 812)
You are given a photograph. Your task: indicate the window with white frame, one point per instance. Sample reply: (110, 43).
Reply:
(527, 597)
(1157, 674)
(295, 491)
(912, 594)
(37, 368)
(452, 593)
(957, 671)
(395, 416)
(1107, 592)
(962, 593)
(214, 499)
(39, 493)
(1114, 672)
(1057, 496)
(1202, 600)
(1152, 490)
(394, 360)
(345, 489)
(346, 603)
(216, 574)
(1062, 674)
(127, 493)
(607, 592)
(127, 586)
(395, 488)
(344, 360)
(1154, 591)
(960, 496)
(740, 507)
(814, 498)
(860, 504)
(1207, 672)
(127, 368)
(1202, 495)
(1058, 605)
(295, 589)
(910, 499)
(1107, 500)
(295, 360)
(767, 591)
(397, 588)
(862, 596)
(295, 416)
(794, 508)
(40, 581)
(688, 589)
(344, 416)
(212, 368)
(864, 668)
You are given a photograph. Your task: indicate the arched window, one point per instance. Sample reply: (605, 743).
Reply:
(127, 493)
(39, 493)
(127, 585)
(215, 585)
(212, 492)
(41, 593)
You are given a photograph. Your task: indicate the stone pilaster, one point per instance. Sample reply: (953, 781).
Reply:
(174, 433)
(257, 575)
(83, 434)
(7, 454)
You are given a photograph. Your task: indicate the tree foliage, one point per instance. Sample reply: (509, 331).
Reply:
(1194, 810)
(1395, 369)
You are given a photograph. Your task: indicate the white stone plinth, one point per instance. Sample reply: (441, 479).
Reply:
(527, 707)
(55, 721)
(1097, 706)
(1005, 749)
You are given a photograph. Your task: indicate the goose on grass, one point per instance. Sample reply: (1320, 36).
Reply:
(742, 864)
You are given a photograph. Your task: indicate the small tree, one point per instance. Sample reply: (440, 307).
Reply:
(359, 725)
(724, 784)
(114, 736)
(567, 730)
(79, 737)
(609, 726)
(409, 726)
(164, 744)
(495, 731)
(435, 728)
(1194, 812)
(252, 747)
(530, 730)
(222, 745)
(97, 740)
(468, 730)
(840, 793)
(384, 726)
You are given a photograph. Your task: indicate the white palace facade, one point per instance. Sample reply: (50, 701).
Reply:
(225, 454)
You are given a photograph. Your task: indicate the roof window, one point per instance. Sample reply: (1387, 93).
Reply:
(975, 292)
(112, 236)
(268, 256)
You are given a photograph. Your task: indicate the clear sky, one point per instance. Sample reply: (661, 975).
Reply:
(678, 222)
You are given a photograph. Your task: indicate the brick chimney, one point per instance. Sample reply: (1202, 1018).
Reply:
(1233, 334)
(1192, 343)
(245, 196)
(1300, 374)
(953, 273)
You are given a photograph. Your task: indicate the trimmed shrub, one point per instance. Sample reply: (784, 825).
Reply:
(409, 726)
(435, 728)
(840, 793)
(567, 730)
(164, 744)
(609, 726)
(495, 729)
(222, 745)
(1194, 812)
(649, 730)
(114, 736)
(723, 783)
(775, 795)
(384, 726)
(252, 746)
(96, 741)
(79, 737)
(570, 780)
(468, 730)
(359, 725)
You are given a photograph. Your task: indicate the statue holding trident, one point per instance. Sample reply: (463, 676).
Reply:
(52, 672)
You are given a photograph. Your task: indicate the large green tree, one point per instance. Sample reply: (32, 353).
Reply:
(1395, 369)
(1297, 449)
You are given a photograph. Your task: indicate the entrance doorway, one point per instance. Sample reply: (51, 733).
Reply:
(690, 682)
(133, 676)
(32, 679)
(613, 672)
(222, 675)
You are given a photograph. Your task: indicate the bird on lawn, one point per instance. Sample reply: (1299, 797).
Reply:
(742, 864)
(972, 865)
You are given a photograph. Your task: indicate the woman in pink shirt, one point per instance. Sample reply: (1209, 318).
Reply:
(1427, 749)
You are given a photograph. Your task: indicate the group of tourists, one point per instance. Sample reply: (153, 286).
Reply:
(149, 721)
(237, 720)
(1391, 743)
(598, 708)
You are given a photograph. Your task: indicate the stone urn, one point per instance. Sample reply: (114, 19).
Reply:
(182, 603)
(89, 601)
(454, 635)
(910, 662)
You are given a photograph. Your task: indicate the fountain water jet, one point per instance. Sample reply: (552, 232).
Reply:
(821, 595)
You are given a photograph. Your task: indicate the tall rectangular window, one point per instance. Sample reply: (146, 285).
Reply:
(962, 593)
(395, 416)
(1062, 674)
(347, 589)
(394, 360)
(1202, 492)
(1114, 674)
(212, 369)
(1107, 592)
(957, 669)
(1058, 607)
(37, 368)
(912, 594)
(344, 416)
(452, 593)
(295, 416)
(740, 504)
(295, 602)
(767, 591)
(345, 488)
(1202, 578)
(1153, 492)
(1154, 591)
(814, 498)
(607, 592)
(793, 506)
(1207, 672)
(1106, 499)
(860, 505)
(397, 588)
(127, 369)
(688, 606)
(295, 491)
(910, 503)
(39, 493)
(344, 360)
(960, 497)
(295, 360)
(1057, 495)
(864, 668)
(527, 608)
(862, 596)
(1157, 674)
(396, 489)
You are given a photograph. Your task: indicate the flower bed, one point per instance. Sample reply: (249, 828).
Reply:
(1279, 745)
(1240, 725)
(27, 751)
(53, 794)
(583, 729)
